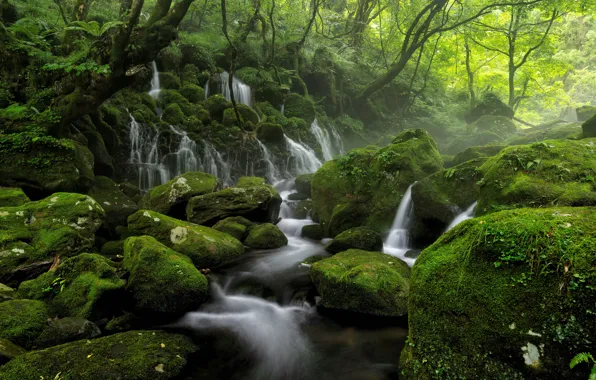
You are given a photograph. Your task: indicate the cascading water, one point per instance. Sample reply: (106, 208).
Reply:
(207, 89)
(302, 160)
(273, 174)
(398, 239)
(144, 155)
(337, 141)
(322, 137)
(467, 214)
(282, 109)
(242, 91)
(213, 163)
(184, 159)
(155, 85)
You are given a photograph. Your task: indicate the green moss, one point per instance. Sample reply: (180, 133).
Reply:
(21, 321)
(169, 97)
(6, 293)
(246, 182)
(141, 354)
(205, 246)
(296, 105)
(162, 280)
(9, 351)
(169, 81)
(116, 204)
(235, 226)
(265, 236)
(477, 152)
(303, 183)
(312, 231)
(271, 133)
(172, 114)
(363, 282)
(589, 127)
(193, 93)
(216, 105)
(190, 75)
(461, 143)
(498, 283)
(362, 238)
(11, 197)
(67, 330)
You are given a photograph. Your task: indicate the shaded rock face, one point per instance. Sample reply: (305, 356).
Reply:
(312, 231)
(162, 281)
(358, 238)
(143, 354)
(476, 152)
(257, 204)
(235, 226)
(21, 321)
(589, 127)
(489, 106)
(364, 188)
(116, 204)
(64, 224)
(67, 330)
(265, 236)
(363, 282)
(505, 295)
(205, 246)
(11, 197)
(9, 351)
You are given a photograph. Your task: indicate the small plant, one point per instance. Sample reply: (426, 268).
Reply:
(56, 287)
(584, 357)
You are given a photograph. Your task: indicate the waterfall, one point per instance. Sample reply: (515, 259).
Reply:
(282, 109)
(242, 91)
(273, 174)
(397, 241)
(184, 159)
(155, 85)
(207, 89)
(144, 155)
(323, 138)
(302, 160)
(467, 214)
(337, 141)
(213, 163)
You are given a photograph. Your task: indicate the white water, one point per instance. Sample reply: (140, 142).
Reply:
(213, 163)
(302, 160)
(398, 239)
(242, 91)
(282, 109)
(467, 214)
(155, 85)
(207, 89)
(337, 141)
(144, 154)
(322, 137)
(273, 174)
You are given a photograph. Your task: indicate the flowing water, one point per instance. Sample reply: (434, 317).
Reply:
(397, 242)
(302, 160)
(155, 85)
(467, 214)
(331, 143)
(242, 91)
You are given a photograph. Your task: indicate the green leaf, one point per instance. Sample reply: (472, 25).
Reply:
(582, 357)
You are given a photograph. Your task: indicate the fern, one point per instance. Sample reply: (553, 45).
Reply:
(92, 27)
(583, 357)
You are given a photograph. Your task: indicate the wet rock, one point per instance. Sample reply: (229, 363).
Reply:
(297, 197)
(67, 330)
(589, 127)
(21, 321)
(359, 238)
(265, 236)
(9, 351)
(250, 181)
(235, 226)
(6, 293)
(303, 183)
(116, 204)
(312, 231)
(11, 197)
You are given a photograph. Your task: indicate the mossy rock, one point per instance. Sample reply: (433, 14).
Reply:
(113, 249)
(173, 114)
(193, 93)
(116, 204)
(496, 124)
(6, 293)
(271, 133)
(246, 182)
(297, 196)
(312, 231)
(552, 172)
(589, 127)
(571, 131)
(257, 204)
(247, 115)
(142, 354)
(265, 236)
(301, 209)
(303, 183)
(477, 152)
(172, 197)
(296, 105)
(506, 295)
(66, 330)
(162, 281)
(362, 238)
(85, 286)
(169, 81)
(205, 246)
(235, 226)
(461, 143)
(440, 197)
(31, 235)
(21, 321)
(42, 165)
(216, 105)
(11, 197)
(173, 97)
(490, 105)
(130, 190)
(364, 188)
(363, 282)
(190, 75)
(585, 113)
(9, 351)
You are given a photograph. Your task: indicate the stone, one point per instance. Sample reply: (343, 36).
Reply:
(11, 197)
(312, 231)
(303, 183)
(9, 351)
(265, 236)
(21, 321)
(362, 238)
(235, 226)
(115, 203)
(67, 330)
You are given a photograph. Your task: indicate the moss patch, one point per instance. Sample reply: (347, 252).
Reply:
(265, 236)
(21, 321)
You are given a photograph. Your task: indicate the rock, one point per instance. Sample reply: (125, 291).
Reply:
(143, 354)
(205, 246)
(297, 197)
(161, 280)
(501, 125)
(296, 105)
(85, 286)
(172, 197)
(585, 112)
(257, 204)
(413, 253)
(123, 322)
(271, 133)
(505, 296)
(364, 282)
(64, 224)
(113, 250)
(571, 131)
(461, 143)
(589, 127)
(9, 351)
(67, 330)
(362, 238)
(303, 183)
(490, 105)
(116, 204)
(477, 152)
(250, 182)
(440, 197)
(169, 81)
(247, 115)
(44, 165)
(301, 209)
(6, 293)
(364, 188)
(12, 197)
(173, 114)
(130, 190)
(235, 226)
(216, 105)
(21, 321)
(265, 236)
(312, 231)
(193, 93)
(552, 172)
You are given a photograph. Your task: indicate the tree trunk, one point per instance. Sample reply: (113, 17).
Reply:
(470, 74)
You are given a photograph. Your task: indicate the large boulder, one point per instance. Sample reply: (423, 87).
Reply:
(9, 351)
(235, 226)
(508, 295)
(21, 321)
(205, 246)
(66, 330)
(363, 282)
(85, 286)
(265, 236)
(303, 183)
(463, 142)
(358, 238)
(571, 131)
(11, 197)
(589, 127)
(31, 235)
(552, 172)
(6, 293)
(497, 124)
(162, 281)
(115, 203)
(364, 188)
(147, 354)
(440, 197)
(490, 105)
(172, 197)
(257, 204)
(476, 152)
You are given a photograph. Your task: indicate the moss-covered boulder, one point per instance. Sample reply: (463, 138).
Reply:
(364, 188)
(173, 114)
(162, 281)
(142, 354)
(363, 282)
(303, 183)
(298, 197)
(461, 143)
(271, 133)
(589, 127)
(216, 105)
(172, 197)
(116, 204)
(265, 236)
(476, 152)
(296, 105)
(9, 351)
(497, 124)
(42, 165)
(85, 286)
(169, 81)
(503, 296)
(205, 246)
(585, 112)
(362, 238)
(571, 131)
(489, 105)
(440, 197)
(193, 93)
(6, 293)
(67, 330)
(235, 226)
(11, 197)
(31, 235)
(250, 181)
(257, 204)
(21, 321)
(552, 172)
(247, 115)
(312, 231)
